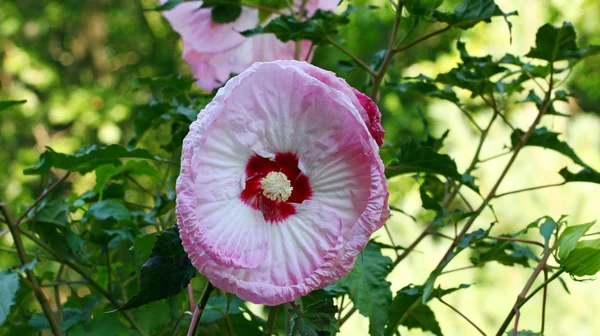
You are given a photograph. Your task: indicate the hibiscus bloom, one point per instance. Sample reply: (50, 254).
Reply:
(281, 184)
(215, 51)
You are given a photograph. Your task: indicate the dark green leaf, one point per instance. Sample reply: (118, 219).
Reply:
(426, 87)
(87, 158)
(166, 273)
(318, 28)
(219, 307)
(110, 208)
(507, 253)
(569, 238)
(368, 289)
(471, 12)
(421, 7)
(226, 13)
(5, 104)
(318, 319)
(416, 157)
(169, 4)
(408, 310)
(587, 174)
(558, 43)
(347, 65)
(466, 241)
(9, 284)
(542, 137)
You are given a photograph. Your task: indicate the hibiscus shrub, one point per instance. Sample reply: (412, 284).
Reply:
(276, 182)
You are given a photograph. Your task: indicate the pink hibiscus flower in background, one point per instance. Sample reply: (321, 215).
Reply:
(214, 51)
(281, 184)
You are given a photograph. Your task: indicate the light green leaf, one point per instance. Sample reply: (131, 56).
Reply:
(569, 238)
(9, 284)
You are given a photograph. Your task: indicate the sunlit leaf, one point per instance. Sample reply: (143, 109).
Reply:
(569, 238)
(9, 284)
(5, 104)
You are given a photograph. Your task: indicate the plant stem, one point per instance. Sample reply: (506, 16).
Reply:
(531, 188)
(522, 297)
(419, 40)
(191, 297)
(14, 231)
(200, 309)
(378, 78)
(41, 197)
(351, 55)
(88, 278)
(526, 241)
(463, 316)
(544, 299)
(271, 321)
(347, 316)
(492, 193)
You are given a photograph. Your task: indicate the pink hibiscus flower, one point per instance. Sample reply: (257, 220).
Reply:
(281, 184)
(214, 51)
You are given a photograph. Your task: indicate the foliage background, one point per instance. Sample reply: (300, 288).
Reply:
(76, 62)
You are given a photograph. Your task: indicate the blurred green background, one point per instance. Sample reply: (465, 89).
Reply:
(75, 61)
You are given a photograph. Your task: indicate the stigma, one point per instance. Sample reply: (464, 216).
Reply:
(276, 187)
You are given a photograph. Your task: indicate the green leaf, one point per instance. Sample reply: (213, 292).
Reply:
(316, 319)
(166, 273)
(466, 241)
(416, 157)
(9, 284)
(110, 208)
(5, 104)
(226, 13)
(219, 307)
(87, 158)
(473, 73)
(508, 253)
(542, 137)
(408, 310)
(367, 287)
(587, 174)
(546, 230)
(317, 29)
(425, 86)
(558, 43)
(347, 65)
(421, 7)
(569, 238)
(584, 259)
(169, 4)
(471, 12)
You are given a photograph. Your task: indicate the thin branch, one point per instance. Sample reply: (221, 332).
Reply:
(526, 241)
(421, 39)
(459, 269)
(200, 309)
(410, 30)
(271, 321)
(531, 188)
(64, 282)
(522, 297)
(14, 230)
(544, 300)
(470, 117)
(347, 316)
(378, 78)
(60, 258)
(351, 55)
(494, 107)
(463, 316)
(495, 156)
(138, 185)
(492, 192)
(41, 197)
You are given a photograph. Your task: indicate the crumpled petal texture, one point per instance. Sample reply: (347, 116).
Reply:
(280, 107)
(215, 51)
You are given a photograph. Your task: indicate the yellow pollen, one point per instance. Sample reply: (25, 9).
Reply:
(276, 187)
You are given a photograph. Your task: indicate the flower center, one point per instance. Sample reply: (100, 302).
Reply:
(276, 187)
